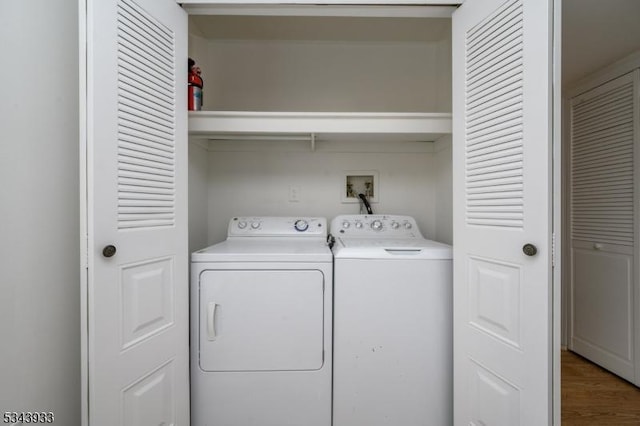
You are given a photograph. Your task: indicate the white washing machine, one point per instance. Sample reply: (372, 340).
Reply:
(392, 324)
(261, 325)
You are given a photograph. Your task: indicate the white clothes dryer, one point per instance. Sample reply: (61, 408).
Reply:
(392, 324)
(261, 325)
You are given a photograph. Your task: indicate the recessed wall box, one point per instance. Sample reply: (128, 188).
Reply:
(360, 182)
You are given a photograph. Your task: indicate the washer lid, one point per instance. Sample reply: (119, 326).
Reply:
(266, 250)
(391, 248)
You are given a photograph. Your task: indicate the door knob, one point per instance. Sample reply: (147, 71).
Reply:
(109, 251)
(529, 249)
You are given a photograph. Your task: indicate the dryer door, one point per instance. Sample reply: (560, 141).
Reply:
(261, 320)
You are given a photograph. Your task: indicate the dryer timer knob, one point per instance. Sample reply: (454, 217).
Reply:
(255, 225)
(301, 225)
(376, 225)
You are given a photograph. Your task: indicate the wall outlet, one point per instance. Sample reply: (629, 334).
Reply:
(294, 193)
(360, 182)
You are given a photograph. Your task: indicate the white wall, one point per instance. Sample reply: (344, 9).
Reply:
(39, 209)
(256, 182)
(595, 33)
(323, 64)
(323, 69)
(444, 190)
(198, 196)
(321, 76)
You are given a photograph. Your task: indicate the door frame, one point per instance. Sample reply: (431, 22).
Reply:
(84, 208)
(557, 214)
(559, 305)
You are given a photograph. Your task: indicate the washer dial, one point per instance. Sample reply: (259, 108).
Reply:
(376, 225)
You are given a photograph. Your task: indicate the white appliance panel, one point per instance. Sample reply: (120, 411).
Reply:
(261, 325)
(392, 342)
(247, 249)
(261, 320)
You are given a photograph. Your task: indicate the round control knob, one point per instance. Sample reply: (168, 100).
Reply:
(301, 225)
(345, 225)
(242, 224)
(408, 225)
(359, 225)
(395, 225)
(376, 225)
(255, 225)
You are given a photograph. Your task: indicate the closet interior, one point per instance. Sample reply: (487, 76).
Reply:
(292, 104)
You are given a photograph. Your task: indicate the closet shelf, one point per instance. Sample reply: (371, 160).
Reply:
(318, 126)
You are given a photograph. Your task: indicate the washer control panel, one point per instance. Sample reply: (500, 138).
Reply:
(388, 226)
(272, 226)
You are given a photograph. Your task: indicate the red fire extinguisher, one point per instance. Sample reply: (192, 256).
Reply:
(195, 87)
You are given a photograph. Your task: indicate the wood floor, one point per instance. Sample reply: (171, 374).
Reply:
(593, 396)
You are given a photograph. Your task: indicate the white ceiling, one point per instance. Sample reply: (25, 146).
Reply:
(596, 33)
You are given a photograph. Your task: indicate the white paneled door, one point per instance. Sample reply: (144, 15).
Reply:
(502, 73)
(137, 298)
(603, 223)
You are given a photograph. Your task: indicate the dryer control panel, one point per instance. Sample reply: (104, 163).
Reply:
(272, 226)
(375, 226)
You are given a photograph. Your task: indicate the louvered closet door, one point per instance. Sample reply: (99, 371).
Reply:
(603, 223)
(502, 201)
(136, 186)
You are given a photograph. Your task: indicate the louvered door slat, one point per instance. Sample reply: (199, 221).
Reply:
(138, 139)
(602, 138)
(130, 74)
(145, 156)
(138, 159)
(604, 192)
(604, 101)
(600, 101)
(605, 158)
(507, 139)
(134, 97)
(494, 101)
(493, 134)
(132, 51)
(146, 120)
(488, 72)
(603, 123)
(612, 142)
(150, 28)
(499, 159)
(486, 37)
(602, 164)
(614, 107)
(502, 84)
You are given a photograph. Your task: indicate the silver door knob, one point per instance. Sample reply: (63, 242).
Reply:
(109, 251)
(529, 249)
